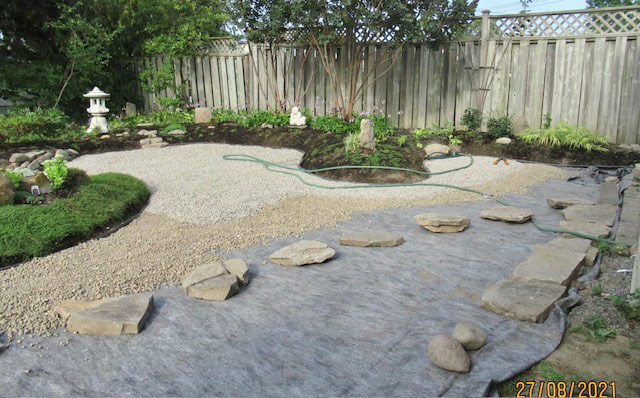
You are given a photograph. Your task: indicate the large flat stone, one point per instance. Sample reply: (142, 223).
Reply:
(371, 238)
(442, 223)
(239, 268)
(215, 289)
(65, 308)
(303, 252)
(507, 214)
(608, 194)
(550, 264)
(627, 233)
(522, 300)
(600, 214)
(113, 317)
(563, 203)
(588, 228)
(203, 272)
(578, 245)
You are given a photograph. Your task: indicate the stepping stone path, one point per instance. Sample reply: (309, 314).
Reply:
(588, 228)
(563, 203)
(599, 214)
(449, 354)
(578, 245)
(215, 281)
(550, 264)
(528, 301)
(112, 317)
(470, 335)
(371, 238)
(302, 253)
(442, 223)
(507, 214)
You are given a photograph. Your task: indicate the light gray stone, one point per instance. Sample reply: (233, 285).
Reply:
(447, 353)
(519, 125)
(144, 125)
(62, 153)
(600, 214)
(577, 245)
(26, 172)
(443, 223)
(239, 268)
(155, 145)
(34, 165)
(503, 141)
(176, 132)
(635, 147)
(437, 150)
(612, 179)
(114, 317)
(550, 264)
(303, 252)
(203, 272)
(367, 136)
(105, 136)
(528, 301)
(216, 289)
(130, 109)
(608, 194)
(266, 126)
(507, 214)
(470, 335)
(371, 238)
(44, 157)
(588, 228)
(18, 158)
(203, 115)
(563, 203)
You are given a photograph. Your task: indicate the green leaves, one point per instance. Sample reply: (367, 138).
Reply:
(56, 171)
(564, 135)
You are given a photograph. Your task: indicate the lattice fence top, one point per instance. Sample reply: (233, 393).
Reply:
(224, 46)
(568, 23)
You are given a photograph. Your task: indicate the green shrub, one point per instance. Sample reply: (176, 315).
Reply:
(56, 171)
(499, 126)
(384, 155)
(472, 118)
(171, 127)
(351, 142)
(29, 231)
(445, 132)
(382, 127)
(339, 127)
(564, 135)
(13, 176)
(34, 124)
(251, 118)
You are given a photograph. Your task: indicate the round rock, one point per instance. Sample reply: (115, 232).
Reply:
(303, 252)
(371, 238)
(447, 353)
(443, 223)
(470, 335)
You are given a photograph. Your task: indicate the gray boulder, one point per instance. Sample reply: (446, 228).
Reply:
(447, 353)
(563, 203)
(18, 158)
(239, 268)
(367, 140)
(470, 335)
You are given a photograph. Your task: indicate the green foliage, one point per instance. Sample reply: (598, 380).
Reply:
(351, 142)
(597, 290)
(445, 132)
(564, 135)
(499, 126)
(56, 171)
(172, 126)
(628, 305)
(401, 140)
(45, 123)
(472, 118)
(547, 121)
(335, 125)
(453, 140)
(611, 3)
(251, 118)
(384, 155)
(13, 176)
(29, 231)
(596, 329)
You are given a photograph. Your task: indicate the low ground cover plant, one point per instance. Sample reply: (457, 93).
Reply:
(29, 231)
(564, 135)
(22, 125)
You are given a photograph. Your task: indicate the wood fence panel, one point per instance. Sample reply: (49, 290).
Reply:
(208, 90)
(629, 122)
(370, 73)
(500, 84)
(594, 89)
(607, 87)
(381, 81)
(406, 95)
(434, 90)
(449, 82)
(393, 102)
(533, 102)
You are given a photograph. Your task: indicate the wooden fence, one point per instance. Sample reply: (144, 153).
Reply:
(582, 67)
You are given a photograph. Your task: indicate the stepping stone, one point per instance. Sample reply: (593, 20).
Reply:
(371, 238)
(210, 281)
(112, 317)
(550, 264)
(447, 353)
(578, 245)
(507, 214)
(522, 300)
(443, 223)
(239, 268)
(608, 194)
(563, 203)
(600, 214)
(303, 252)
(588, 228)
(470, 335)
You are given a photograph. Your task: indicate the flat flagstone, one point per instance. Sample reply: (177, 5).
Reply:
(215, 289)
(600, 214)
(507, 214)
(113, 317)
(563, 203)
(442, 223)
(550, 264)
(578, 245)
(203, 272)
(303, 252)
(528, 301)
(588, 228)
(371, 238)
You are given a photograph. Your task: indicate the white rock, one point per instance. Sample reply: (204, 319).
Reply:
(447, 353)
(503, 141)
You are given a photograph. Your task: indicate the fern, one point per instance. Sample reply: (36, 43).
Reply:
(564, 135)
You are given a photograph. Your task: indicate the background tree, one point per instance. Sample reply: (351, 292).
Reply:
(611, 3)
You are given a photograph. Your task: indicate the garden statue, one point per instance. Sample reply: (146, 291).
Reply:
(98, 110)
(296, 118)
(367, 140)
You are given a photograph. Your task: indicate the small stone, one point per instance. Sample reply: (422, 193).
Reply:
(117, 316)
(600, 214)
(612, 179)
(587, 228)
(239, 268)
(635, 147)
(367, 137)
(44, 157)
(371, 238)
(503, 141)
(519, 125)
(177, 132)
(144, 125)
(105, 136)
(143, 132)
(266, 126)
(563, 203)
(303, 252)
(202, 115)
(25, 172)
(447, 353)
(18, 158)
(156, 145)
(34, 165)
(470, 335)
(443, 223)
(202, 273)
(436, 150)
(62, 153)
(507, 214)
(216, 289)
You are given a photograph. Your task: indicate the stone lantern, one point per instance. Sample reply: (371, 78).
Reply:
(97, 109)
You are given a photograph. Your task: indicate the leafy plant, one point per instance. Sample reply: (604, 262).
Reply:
(596, 329)
(628, 305)
(472, 118)
(435, 131)
(334, 124)
(564, 135)
(597, 290)
(351, 142)
(172, 126)
(499, 126)
(56, 170)
(401, 140)
(43, 123)
(15, 177)
(453, 140)
(547, 121)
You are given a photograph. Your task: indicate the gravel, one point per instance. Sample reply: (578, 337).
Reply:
(202, 205)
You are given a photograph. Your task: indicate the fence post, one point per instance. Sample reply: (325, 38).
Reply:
(483, 67)
(484, 37)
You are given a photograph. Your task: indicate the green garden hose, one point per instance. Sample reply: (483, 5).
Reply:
(280, 168)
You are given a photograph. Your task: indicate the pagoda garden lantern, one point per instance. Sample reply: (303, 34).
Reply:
(97, 109)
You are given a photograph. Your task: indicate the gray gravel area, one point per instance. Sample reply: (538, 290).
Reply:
(358, 325)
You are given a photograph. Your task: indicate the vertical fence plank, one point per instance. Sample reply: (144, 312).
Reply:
(558, 80)
(406, 98)
(434, 89)
(381, 80)
(533, 103)
(231, 79)
(371, 89)
(240, 84)
(320, 87)
(519, 79)
(594, 89)
(449, 84)
(215, 83)
(613, 108)
(206, 72)
(629, 130)
(608, 87)
(200, 82)
(500, 87)
(422, 94)
(393, 101)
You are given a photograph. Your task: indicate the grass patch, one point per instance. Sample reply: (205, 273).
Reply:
(32, 231)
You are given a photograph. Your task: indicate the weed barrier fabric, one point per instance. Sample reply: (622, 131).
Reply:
(358, 325)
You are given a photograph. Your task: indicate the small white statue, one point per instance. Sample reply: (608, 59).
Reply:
(296, 118)
(98, 110)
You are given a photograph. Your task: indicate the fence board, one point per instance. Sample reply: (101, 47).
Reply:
(434, 88)
(448, 109)
(629, 122)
